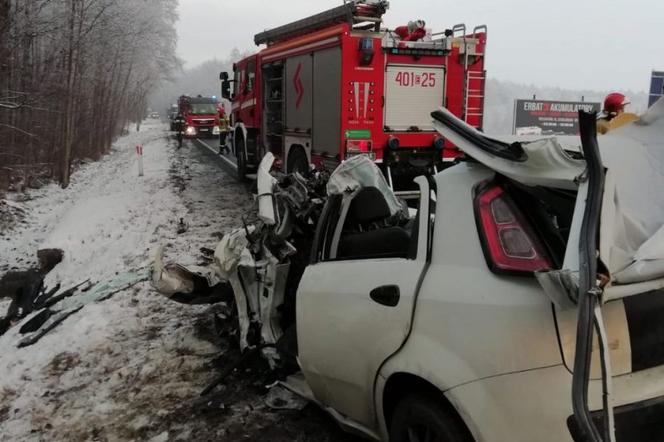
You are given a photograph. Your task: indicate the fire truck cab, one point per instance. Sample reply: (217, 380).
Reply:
(200, 114)
(338, 84)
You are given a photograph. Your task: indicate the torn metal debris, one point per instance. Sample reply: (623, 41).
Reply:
(262, 262)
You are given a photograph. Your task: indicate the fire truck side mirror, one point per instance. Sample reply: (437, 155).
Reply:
(225, 86)
(226, 89)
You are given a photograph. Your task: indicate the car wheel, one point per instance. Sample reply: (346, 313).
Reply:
(240, 154)
(297, 161)
(418, 418)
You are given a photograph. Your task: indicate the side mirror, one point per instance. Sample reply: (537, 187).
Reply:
(223, 76)
(226, 89)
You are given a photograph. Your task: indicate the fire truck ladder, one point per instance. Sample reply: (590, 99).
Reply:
(475, 82)
(356, 12)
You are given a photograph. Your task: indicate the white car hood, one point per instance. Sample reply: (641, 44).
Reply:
(632, 219)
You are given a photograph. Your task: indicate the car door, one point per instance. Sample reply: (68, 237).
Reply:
(353, 314)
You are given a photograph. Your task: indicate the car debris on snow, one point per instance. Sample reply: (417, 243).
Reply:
(46, 308)
(49, 258)
(254, 262)
(260, 264)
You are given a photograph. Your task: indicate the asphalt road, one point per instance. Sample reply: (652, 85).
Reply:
(211, 147)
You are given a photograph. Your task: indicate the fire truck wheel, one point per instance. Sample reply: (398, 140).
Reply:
(297, 161)
(240, 155)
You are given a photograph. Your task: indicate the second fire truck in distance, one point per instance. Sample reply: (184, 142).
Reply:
(338, 84)
(201, 116)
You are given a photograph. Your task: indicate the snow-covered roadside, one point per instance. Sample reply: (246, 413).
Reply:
(132, 367)
(110, 371)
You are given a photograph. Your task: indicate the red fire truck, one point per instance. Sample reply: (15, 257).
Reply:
(200, 114)
(338, 84)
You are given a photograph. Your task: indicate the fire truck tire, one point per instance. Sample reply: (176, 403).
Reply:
(241, 157)
(297, 161)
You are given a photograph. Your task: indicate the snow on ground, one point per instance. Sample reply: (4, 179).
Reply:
(132, 367)
(102, 372)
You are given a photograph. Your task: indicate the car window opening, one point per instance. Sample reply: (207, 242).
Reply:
(364, 228)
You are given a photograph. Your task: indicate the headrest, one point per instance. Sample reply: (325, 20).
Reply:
(368, 206)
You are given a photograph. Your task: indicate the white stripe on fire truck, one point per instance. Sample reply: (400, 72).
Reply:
(248, 103)
(302, 48)
(356, 86)
(366, 99)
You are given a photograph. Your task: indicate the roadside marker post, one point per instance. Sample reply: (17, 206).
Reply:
(139, 152)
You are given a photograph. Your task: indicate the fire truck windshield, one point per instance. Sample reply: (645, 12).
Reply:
(203, 109)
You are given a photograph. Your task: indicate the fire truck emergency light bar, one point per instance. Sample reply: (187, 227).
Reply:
(353, 12)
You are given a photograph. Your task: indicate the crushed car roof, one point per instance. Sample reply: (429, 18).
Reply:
(632, 220)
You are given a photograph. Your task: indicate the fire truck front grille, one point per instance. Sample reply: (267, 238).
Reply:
(203, 121)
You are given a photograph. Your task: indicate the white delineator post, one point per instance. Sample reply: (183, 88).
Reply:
(139, 152)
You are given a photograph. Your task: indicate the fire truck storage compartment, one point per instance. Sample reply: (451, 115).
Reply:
(327, 92)
(273, 108)
(299, 103)
(411, 94)
(315, 77)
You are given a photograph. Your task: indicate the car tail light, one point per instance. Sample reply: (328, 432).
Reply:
(510, 244)
(358, 146)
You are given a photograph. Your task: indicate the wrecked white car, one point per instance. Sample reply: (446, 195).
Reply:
(526, 276)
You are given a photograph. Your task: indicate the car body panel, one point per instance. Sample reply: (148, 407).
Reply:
(344, 336)
(513, 326)
(535, 404)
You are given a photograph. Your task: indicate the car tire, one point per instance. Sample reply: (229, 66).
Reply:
(240, 155)
(297, 161)
(419, 418)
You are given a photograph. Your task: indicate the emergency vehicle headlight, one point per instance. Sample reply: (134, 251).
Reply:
(190, 130)
(358, 146)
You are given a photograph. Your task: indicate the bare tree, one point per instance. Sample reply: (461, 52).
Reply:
(74, 74)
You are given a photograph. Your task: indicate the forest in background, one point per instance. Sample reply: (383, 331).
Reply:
(73, 75)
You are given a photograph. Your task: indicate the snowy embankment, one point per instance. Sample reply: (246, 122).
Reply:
(113, 370)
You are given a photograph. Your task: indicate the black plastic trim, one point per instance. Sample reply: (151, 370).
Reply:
(638, 422)
(588, 431)
(645, 320)
(512, 152)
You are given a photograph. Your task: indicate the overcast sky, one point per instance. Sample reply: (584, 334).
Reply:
(575, 44)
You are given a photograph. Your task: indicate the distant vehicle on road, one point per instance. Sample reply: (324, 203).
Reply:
(201, 116)
(155, 115)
